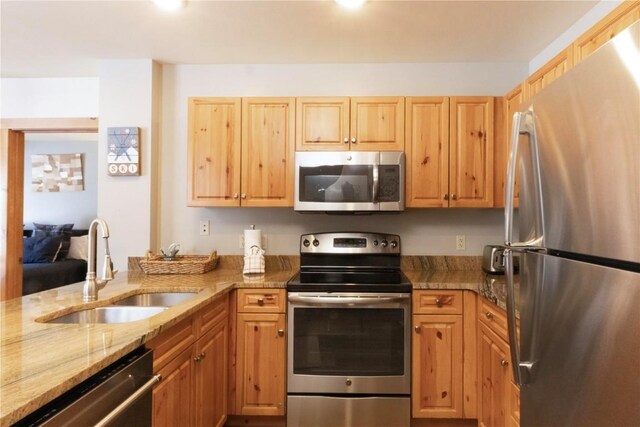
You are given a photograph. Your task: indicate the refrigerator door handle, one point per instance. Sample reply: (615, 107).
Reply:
(522, 370)
(523, 124)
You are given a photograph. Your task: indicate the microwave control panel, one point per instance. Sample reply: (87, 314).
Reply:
(389, 183)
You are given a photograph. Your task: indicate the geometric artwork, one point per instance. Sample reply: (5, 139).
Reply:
(123, 157)
(56, 172)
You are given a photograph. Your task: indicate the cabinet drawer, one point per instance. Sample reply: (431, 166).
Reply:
(213, 314)
(262, 300)
(171, 343)
(437, 302)
(494, 317)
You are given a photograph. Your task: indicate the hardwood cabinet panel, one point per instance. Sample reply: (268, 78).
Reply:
(495, 379)
(262, 300)
(437, 366)
(322, 124)
(267, 151)
(173, 396)
(471, 152)
(211, 377)
(427, 151)
(514, 406)
(553, 69)
(606, 29)
(377, 123)
(213, 314)
(509, 105)
(494, 317)
(214, 152)
(260, 381)
(437, 302)
(174, 341)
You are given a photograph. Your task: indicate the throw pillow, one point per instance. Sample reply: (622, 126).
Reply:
(41, 248)
(64, 230)
(79, 248)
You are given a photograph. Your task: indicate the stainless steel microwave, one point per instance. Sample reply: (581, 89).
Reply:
(349, 181)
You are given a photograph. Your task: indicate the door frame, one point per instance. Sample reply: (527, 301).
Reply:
(12, 189)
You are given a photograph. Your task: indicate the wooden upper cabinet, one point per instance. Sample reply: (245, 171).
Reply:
(267, 151)
(214, 152)
(471, 152)
(550, 71)
(427, 151)
(377, 124)
(504, 126)
(322, 124)
(615, 22)
(343, 124)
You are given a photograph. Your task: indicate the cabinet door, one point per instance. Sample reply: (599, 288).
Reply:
(514, 406)
(510, 105)
(553, 69)
(267, 151)
(377, 124)
(173, 397)
(214, 152)
(471, 152)
(322, 124)
(211, 377)
(437, 366)
(614, 23)
(260, 368)
(495, 379)
(427, 151)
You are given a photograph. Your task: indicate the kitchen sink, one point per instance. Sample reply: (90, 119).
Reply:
(110, 314)
(160, 299)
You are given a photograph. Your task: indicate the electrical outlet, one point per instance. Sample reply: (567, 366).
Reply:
(204, 227)
(461, 242)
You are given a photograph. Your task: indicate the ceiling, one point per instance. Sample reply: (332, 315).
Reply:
(68, 38)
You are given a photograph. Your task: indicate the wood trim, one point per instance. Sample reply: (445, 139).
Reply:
(470, 356)
(11, 203)
(232, 359)
(554, 68)
(54, 125)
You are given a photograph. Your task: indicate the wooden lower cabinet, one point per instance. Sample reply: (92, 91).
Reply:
(193, 390)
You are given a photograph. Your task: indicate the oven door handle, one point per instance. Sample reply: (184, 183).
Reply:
(346, 300)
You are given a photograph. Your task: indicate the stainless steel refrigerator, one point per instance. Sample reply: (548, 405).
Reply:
(576, 148)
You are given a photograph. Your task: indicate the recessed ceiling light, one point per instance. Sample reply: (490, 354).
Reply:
(169, 4)
(351, 4)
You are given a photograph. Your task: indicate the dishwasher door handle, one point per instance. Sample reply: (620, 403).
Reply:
(129, 401)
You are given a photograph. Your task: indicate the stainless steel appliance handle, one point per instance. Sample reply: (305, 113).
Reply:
(129, 401)
(376, 184)
(523, 124)
(318, 299)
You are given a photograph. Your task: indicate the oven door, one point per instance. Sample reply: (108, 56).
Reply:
(349, 343)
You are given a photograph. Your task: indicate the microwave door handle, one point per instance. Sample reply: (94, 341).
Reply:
(376, 184)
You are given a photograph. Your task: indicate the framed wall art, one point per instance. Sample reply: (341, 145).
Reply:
(124, 151)
(56, 172)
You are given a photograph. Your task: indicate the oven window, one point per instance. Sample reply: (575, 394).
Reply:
(336, 184)
(348, 341)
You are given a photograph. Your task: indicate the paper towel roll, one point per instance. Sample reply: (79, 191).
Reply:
(251, 238)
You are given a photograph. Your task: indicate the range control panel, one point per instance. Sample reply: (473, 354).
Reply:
(350, 243)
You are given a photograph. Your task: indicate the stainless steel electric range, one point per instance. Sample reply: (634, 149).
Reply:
(349, 352)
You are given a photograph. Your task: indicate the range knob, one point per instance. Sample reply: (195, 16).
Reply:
(316, 242)
(384, 243)
(306, 243)
(394, 244)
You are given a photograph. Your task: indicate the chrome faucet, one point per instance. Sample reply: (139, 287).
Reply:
(91, 284)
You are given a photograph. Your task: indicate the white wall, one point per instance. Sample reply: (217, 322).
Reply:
(424, 231)
(76, 207)
(49, 97)
(598, 12)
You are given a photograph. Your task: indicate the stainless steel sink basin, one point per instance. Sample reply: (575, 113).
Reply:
(161, 299)
(110, 314)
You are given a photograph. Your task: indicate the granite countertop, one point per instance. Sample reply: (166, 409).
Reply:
(40, 361)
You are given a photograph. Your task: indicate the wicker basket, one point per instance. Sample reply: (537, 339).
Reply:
(181, 264)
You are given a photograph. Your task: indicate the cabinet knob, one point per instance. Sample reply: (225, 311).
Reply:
(197, 358)
(417, 329)
(454, 197)
(353, 140)
(243, 196)
(235, 195)
(446, 196)
(281, 332)
(504, 363)
(488, 315)
(260, 301)
(345, 140)
(203, 355)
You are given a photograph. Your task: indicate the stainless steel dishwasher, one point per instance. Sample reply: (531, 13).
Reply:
(119, 395)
